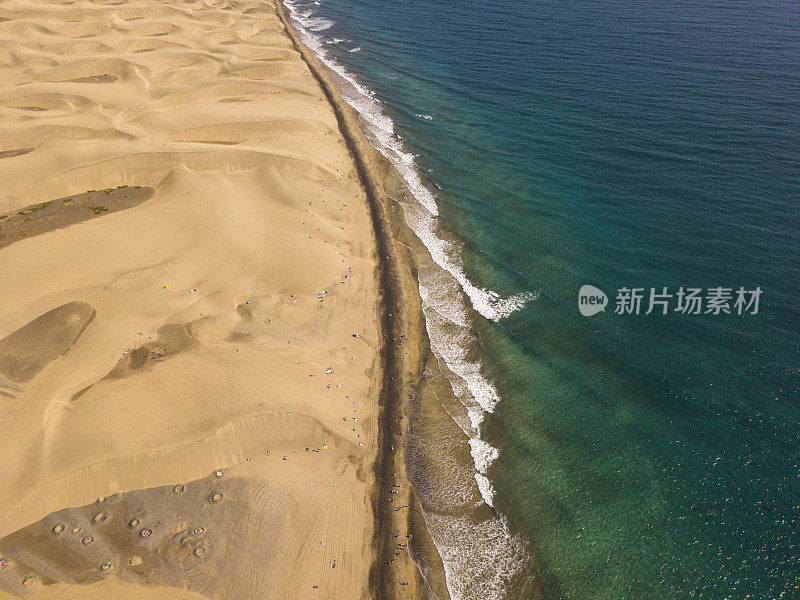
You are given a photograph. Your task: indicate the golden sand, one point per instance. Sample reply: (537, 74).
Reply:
(189, 321)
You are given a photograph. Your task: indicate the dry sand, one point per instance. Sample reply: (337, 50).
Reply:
(190, 332)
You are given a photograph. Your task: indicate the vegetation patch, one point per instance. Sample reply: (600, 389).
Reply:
(69, 210)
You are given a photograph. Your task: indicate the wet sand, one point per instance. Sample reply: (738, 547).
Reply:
(400, 532)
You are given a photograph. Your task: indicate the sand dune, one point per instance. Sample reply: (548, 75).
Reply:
(188, 278)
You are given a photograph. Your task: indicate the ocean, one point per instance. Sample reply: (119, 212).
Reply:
(652, 147)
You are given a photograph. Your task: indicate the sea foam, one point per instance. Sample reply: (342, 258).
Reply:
(443, 290)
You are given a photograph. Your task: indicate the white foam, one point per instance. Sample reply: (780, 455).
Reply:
(486, 489)
(480, 559)
(307, 19)
(447, 254)
(483, 454)
(319, 24)
(451, 346)
(475, 418)
(443, 290)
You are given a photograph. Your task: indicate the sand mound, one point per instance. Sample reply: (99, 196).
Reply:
(31, 347)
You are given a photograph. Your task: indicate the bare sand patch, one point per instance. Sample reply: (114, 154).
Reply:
(15, 152)
(30, 348)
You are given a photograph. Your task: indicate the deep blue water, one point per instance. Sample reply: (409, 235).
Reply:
(639, 144)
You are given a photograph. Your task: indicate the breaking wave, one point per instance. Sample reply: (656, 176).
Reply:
(450, 300)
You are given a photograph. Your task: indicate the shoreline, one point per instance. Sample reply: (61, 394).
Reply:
(423, 405)
(401, 370)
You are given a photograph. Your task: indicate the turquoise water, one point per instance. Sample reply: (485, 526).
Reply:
(615, 144)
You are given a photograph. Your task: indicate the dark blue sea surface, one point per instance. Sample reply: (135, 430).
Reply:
(617, 144)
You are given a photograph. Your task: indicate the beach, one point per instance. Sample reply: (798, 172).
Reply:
(547, 146)
(208, 331)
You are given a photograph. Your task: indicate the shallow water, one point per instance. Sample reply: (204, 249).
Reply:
(552, 145)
